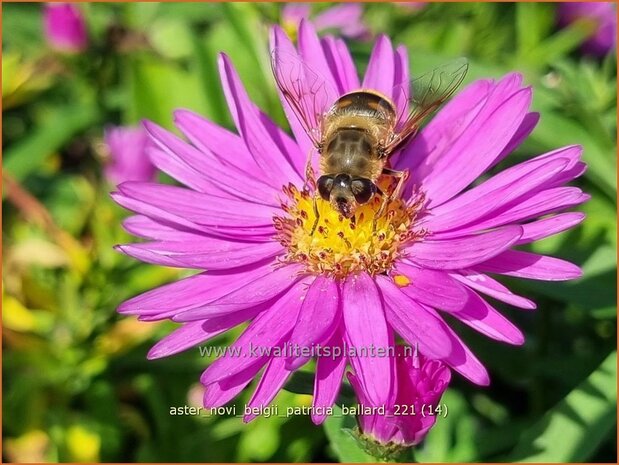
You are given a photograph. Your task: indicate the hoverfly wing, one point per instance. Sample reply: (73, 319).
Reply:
(424, 95)
(308, 94)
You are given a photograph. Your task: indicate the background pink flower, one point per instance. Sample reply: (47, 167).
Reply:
(604, 14)
(65, 28)
(345, 19)
(128, 151)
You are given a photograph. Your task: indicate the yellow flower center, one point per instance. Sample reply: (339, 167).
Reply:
(341, 246)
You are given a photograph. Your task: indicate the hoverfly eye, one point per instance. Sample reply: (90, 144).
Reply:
(325, 185)
(363, 189)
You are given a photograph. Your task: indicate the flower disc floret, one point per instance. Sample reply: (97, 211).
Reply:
(343, 246)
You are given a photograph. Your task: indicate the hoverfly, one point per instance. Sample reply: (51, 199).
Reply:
(357, 133)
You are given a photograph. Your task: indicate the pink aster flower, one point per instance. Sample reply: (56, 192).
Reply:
(65, 28)
(419, 385)
(603, 14)
(243, 219)
(128, 149)
(346, 19)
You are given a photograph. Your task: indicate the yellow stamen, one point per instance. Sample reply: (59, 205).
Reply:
(401, 280)
(341, 246)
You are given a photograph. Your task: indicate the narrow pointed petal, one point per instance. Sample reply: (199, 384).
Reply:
(220, 393)
(219, 146)
(411, 321)
(485, 284)
(312, 52)
(463, 252)
(255, 127)
(273, 379)
(380, 72)
(550, 226)
(530, 266)
(476, 149)
(526, 128)
(365, 327)
(208, 253)
(198, 208)
(482, 317)
(262, 289)
(341, 64)
(461, 358)
(190, 335)
(421, 325)
(192, 292)
(531, 206)
(179, 159)
(278, 40)
(317, 319)
(498, 191)
(433, 288)
(328, 380)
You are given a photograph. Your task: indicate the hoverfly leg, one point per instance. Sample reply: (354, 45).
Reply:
(310, 179)
(316, 213)
(402, 176)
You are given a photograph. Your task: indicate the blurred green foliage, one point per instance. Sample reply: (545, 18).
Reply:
(77, 386)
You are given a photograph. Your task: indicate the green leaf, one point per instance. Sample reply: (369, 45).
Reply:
(345, 446)
(159, 87)
(54, 131)
(573, 429)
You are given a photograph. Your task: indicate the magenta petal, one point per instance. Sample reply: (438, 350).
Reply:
(365, 327)
(328, 380)
(530, 266)
(317, 319)
(473, 152)
(380, 72)
(463, 252)
(194, 206)
(264, 333)
(261, 289)
(401, 79)
(526, 128)
(507, 186)
(461, 358)
(207, 253)
(148, 228)
(487, 285)
(180, 160)
(434, 288)
(191, 292)
(423, 152)
(418, 324)
(278, 40)
(413, 322)
(220, 393)
(482, 317)
(187, 336)
(341, 64)
(222, 147)
(531, 206)
(549, 226)
(273, 379)
(312, 53)
(255, 128)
